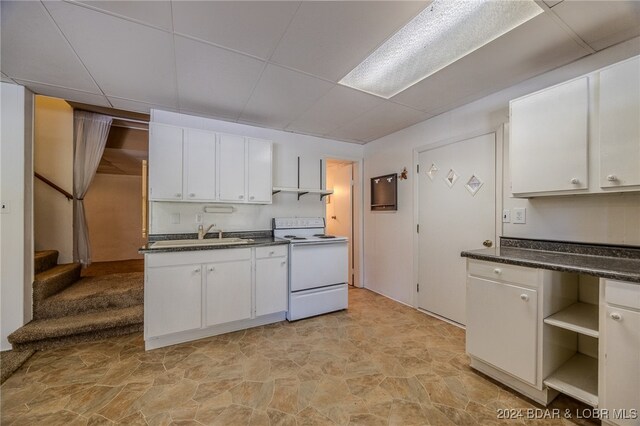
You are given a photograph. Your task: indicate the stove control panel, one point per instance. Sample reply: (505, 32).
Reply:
(297, 222)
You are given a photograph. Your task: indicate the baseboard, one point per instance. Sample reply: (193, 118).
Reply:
(201, 333)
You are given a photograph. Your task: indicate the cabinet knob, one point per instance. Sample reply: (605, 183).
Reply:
(283, 263)
(241, 197)
(524, 297)
(615, 316)
(271, 253)
(211, 269)
(178, 195)
(196, 270)
(252, 197)
(575, 181)
(497, 271)
(612, 178)
(192, 195)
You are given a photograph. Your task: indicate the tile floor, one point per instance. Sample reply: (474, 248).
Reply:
(378, 363)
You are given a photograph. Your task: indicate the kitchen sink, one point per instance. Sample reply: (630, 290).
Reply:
(199, 243)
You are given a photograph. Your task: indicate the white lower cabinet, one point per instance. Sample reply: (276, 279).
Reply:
(502, 326)
(271, 295)
(621, 371)
(191, 295)
(172, 299)
(228, 289)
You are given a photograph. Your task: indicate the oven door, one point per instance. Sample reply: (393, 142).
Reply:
(316, 265)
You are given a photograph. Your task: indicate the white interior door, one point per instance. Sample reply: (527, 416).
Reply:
(339, 205)
(452, 219)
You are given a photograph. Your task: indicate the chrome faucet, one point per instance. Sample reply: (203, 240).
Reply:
(202, 232)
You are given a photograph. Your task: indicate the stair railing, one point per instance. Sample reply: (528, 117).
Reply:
(53, 185)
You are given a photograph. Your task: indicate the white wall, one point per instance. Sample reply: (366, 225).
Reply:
(53, 159)
(113, 206)
(388, 236)
(286, 149)
(16, 255)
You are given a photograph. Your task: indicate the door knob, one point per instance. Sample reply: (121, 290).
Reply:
(524, 297)
(612, 178)
(575, 181)
(616, 316)
(487, 243)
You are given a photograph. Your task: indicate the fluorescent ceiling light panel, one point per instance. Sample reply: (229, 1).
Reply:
(442, 33)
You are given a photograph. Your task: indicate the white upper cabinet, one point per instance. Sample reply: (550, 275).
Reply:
(620, 124)
(259, 171)
(231, 168)
(199, 165)
(549, 139)
(165, 162)
(203, 166)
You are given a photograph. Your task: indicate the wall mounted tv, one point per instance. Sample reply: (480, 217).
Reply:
(384, 190)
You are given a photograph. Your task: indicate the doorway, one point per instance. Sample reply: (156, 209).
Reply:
(341, 209)
(456, 211)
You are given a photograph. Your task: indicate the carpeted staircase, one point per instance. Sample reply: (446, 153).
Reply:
(70, 309)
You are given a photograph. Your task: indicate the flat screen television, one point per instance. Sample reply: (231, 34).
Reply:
(384, 190)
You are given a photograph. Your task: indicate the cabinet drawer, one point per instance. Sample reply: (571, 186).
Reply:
(623, 294)
(502, 272)
(271, 251)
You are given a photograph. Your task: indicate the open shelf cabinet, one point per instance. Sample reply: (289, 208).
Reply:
(579, 317)
(578, 377)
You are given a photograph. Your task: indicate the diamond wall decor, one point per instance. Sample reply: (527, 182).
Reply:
(451, 178)
(433, 171)
(473, 184)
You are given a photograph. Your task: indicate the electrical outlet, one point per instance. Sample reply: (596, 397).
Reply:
(175, 218)
(519, 215)
(506, 216)
(198, 217)
(5, 208)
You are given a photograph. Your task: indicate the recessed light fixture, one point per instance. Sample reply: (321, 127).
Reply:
(442, 33)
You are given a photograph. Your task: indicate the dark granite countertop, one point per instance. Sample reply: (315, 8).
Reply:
(614, 262)
(259, 239)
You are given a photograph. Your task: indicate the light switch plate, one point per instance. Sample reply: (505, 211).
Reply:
(519, 215)
(506, 216)
(4, 208)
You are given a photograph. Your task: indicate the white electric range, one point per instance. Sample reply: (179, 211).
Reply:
(318, 267)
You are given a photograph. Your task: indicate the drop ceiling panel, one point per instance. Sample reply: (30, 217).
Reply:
(135, 106)
(601, 23)
(156, 13)
(253, 27)
(65, 93)
(329, 38)
(531, 49)
(281, 96)
(33, 48)
(127, 60)
(335, 109)
(378, 122)
(212, 80)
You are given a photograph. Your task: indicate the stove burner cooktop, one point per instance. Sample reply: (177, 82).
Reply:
(293, 237)
(326, 236)
(289, 236)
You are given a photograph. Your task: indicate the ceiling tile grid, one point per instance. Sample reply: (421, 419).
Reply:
(276, 63)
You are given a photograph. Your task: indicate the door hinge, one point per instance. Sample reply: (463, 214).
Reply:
(418, 287)
(418, 168)
(418, 228)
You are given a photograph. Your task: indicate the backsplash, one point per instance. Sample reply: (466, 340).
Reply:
(246, 217)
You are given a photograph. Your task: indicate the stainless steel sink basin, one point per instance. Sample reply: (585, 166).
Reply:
(200, 243)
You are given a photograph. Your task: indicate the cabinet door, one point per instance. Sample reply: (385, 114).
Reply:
(622, 362)
(501, 326)
(548, 143)
(620, 124)
(228, 286)
(172, 299)
(232, 168)
(199, 165)
(259, 171)
(165, 162)
(271, 285)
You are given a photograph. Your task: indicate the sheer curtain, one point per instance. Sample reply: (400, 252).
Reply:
(90, 137)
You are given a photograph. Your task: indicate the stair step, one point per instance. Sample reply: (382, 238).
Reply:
(54, 280)
(92, 325)
(74, 339)
(95, 293)
(45, 259)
